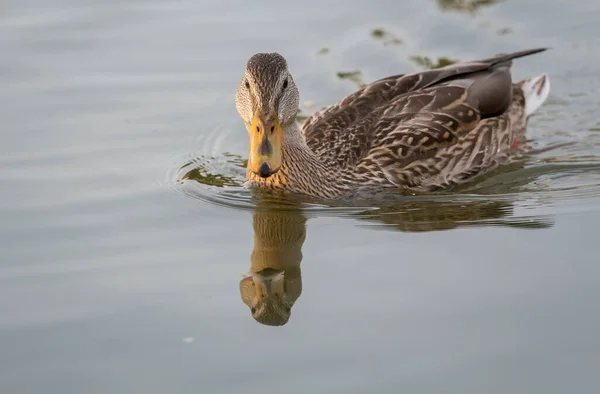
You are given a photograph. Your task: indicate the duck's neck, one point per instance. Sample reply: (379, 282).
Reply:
(301, 170)
(278, 239)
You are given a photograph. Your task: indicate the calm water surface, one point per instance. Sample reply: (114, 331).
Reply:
(126, 240)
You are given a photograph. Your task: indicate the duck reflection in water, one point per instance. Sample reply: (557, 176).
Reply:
(274, 282)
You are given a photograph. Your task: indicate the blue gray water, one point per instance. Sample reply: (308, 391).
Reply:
(124, 235)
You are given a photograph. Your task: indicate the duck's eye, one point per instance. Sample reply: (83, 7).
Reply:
(247, 84)
(253, 310)
(285, 84)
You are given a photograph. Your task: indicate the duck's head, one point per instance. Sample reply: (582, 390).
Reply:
(267, 100)
(270, 294)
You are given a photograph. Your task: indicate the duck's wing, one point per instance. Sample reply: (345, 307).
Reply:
(408, 119)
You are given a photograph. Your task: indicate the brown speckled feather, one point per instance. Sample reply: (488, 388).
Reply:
(425, 131)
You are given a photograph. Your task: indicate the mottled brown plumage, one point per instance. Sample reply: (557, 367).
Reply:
(418, 132)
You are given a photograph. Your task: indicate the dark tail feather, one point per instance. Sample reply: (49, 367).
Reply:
(505, 59)
(458, 70)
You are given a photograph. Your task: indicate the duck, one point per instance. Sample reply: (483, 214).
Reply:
(427, 131)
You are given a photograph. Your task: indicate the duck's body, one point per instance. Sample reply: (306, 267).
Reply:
(418, 132)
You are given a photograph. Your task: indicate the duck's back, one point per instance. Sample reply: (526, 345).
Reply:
(428, 130)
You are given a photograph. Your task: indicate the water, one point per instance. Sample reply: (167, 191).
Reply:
(124, 234)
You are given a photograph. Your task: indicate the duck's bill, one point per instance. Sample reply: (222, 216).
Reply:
(269, 286)
(265, 144)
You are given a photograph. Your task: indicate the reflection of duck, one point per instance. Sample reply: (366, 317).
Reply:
(425, 131)
(274, 282)
(437, 214)
(491, 205)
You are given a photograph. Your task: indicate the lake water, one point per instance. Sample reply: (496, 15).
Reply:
(125, 242)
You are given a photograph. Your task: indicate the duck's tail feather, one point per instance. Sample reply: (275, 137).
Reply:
(535, 90)
(505, 59)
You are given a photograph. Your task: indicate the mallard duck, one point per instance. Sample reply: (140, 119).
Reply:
(420, 132)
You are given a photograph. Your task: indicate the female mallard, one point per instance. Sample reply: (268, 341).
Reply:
(425, 131)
